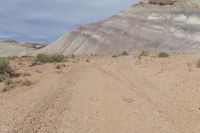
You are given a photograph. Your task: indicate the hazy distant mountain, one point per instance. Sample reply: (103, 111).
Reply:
(8, 41)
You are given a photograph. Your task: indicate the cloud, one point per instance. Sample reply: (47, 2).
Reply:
(46, 20)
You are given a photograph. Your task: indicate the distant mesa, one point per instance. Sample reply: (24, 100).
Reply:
(33, 45)
(13, 48)
(8, 41)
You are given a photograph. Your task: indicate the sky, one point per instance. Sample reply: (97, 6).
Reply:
(46, 20)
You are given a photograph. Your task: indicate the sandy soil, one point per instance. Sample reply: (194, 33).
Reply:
(105, 95)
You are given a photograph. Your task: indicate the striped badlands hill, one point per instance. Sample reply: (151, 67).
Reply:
(144, 26)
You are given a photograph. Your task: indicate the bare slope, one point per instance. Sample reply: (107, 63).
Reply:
(143, 26)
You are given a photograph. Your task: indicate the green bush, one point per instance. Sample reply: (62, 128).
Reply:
(5, 69)
(163, 55)
(57, 58)
(44, 58)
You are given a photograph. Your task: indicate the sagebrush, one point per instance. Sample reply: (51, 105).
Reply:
(5, 69)
(163, 54)
(143, 53)
(44, 58)
(125, 53)
(198, 63)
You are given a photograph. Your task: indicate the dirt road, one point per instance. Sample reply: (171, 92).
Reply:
(107, 95)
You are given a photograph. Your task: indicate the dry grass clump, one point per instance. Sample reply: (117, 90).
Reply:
(73, 56)
(143, 53)
(7, 83)
(125, 53)
(198, 64)
(114, 56)
(20, 83)
(60, 66)
(87, 60)
(12, 58)
(70, 56)
(25, 74)
(7, 73)
(26, 83)
(44, 58)
(163, 55)
(38, 71)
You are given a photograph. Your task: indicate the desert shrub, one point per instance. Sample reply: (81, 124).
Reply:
(87, 60)
(20, 83)
(12, 58)
(7, 83)
(163, 55)
(198, 63)
(44, 58)
(38, 71)
(26, 74)
(27, 83)
(26, 56)
(125, 53)
(143, 53)
(114, 56)
(4, 67)
(6, 73)
(60, 66)
(93, 55)
(57, 58)
(1, 79)
(72, 56)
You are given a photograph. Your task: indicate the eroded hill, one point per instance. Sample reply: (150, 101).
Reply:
(144, 26)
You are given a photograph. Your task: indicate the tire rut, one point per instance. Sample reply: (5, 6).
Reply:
(145, 90)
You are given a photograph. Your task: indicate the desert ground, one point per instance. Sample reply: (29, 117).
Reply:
(123, 94)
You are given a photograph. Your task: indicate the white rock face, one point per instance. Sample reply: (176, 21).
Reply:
(140, 27)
